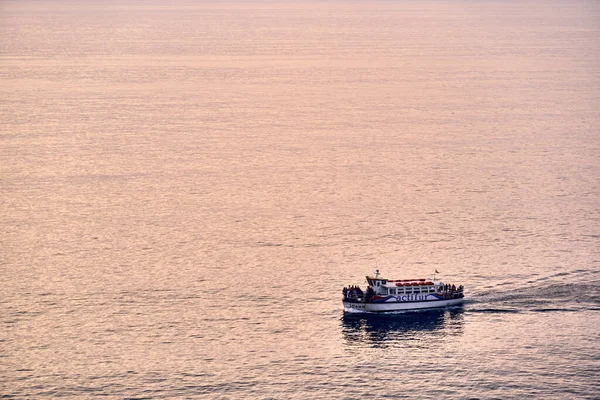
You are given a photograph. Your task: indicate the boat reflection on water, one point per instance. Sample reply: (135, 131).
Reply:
(407, 329)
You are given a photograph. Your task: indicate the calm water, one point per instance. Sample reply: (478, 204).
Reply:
(187, 186)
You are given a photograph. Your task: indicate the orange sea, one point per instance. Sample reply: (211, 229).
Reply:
(187, 186)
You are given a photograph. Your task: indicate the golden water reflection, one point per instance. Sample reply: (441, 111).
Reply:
(410, 329)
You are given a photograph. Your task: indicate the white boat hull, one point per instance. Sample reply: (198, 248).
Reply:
(393, 305)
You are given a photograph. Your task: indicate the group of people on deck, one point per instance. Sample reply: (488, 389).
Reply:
(451, 290)
(352, 292)
(355, 292)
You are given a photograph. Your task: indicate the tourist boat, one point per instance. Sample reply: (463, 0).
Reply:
(383, 295)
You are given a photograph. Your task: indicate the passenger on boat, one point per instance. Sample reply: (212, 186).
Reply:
(369, 294)
(351, 293)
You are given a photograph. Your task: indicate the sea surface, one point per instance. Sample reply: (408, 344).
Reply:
(187, 186)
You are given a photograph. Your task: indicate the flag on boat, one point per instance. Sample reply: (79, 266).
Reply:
(437, 272)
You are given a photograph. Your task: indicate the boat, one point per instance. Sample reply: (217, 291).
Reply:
(385, 295)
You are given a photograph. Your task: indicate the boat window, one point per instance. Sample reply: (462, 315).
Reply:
(392, 291)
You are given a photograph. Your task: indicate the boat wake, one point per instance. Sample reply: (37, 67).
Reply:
(542, 295)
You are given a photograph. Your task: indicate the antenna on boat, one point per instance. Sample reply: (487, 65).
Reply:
(376, 273)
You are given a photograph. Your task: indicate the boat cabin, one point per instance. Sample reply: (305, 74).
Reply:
(385, 287)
